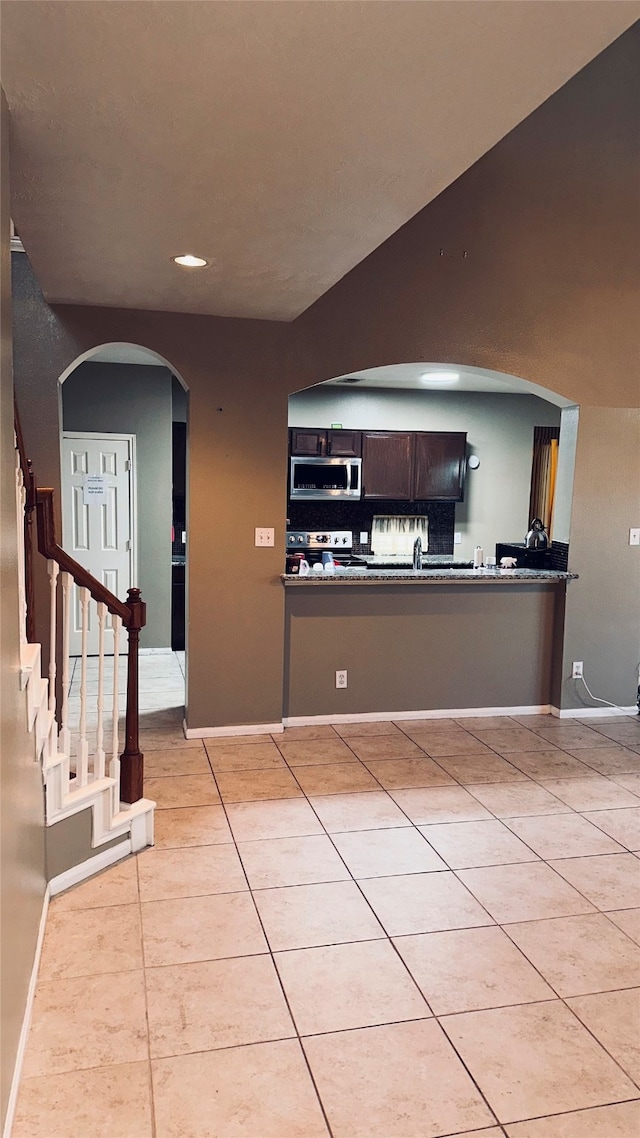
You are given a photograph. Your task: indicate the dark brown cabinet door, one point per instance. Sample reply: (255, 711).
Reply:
(387, 465)
(439, 466)
(345, 443)
(308, 441)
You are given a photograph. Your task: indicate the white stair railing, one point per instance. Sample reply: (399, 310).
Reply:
(74, 733)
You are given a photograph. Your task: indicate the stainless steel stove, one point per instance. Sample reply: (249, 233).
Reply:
(313, 543)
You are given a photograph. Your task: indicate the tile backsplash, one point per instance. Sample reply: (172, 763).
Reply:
(358, 517)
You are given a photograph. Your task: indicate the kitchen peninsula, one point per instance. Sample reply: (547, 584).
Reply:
(422, 643)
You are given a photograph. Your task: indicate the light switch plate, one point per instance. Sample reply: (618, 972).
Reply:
(457, 539)
(265, 537)
(634, 537)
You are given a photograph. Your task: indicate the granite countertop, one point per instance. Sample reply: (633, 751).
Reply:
(429, 561)
(357, 576)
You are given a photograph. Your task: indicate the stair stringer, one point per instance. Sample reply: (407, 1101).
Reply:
(109, 818)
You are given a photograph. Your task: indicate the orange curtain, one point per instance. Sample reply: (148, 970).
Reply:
(543, 475)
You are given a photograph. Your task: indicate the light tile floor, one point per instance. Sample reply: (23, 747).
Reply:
(372, 931)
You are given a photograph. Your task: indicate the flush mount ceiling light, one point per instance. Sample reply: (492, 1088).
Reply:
(440, 377)
(188, 261)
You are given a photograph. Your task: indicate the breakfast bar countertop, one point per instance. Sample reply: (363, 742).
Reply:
(363, 576)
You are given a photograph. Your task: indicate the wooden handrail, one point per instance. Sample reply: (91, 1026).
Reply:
(49, 547)
(133, 613)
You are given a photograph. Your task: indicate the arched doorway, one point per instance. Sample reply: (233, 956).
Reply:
(123, 440)
(497, 414)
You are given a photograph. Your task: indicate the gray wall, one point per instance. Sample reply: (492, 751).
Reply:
(179, 401)
(135, 399)
(499, 431)
(419, 647)
(569, 421)
(21, 797)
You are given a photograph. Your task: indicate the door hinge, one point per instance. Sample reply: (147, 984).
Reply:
(127, 464)
(128, 545)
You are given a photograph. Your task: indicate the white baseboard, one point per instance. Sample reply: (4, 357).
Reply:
(356, 717)
(592, 712)
(26, 1022)
(87, 868)
(224, 732)
(398, 716)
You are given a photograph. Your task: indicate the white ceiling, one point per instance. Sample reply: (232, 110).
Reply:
(122, 353)
(283, 141)
(417, 376)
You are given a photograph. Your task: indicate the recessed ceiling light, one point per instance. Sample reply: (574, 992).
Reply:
(440, 377)
(188, 261)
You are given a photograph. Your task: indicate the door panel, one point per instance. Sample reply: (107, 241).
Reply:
(307, 442)
(99, 534)
(346, 444)
(440, 462)
(386, 465)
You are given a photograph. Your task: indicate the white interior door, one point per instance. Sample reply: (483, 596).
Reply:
(98, 520)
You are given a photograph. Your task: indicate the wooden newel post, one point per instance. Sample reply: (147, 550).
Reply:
(131, 759)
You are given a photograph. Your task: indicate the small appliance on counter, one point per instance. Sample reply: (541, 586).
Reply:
(525, 558)
(537, 537)
(332, 547)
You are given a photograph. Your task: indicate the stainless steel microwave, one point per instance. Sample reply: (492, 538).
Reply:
(326, 478)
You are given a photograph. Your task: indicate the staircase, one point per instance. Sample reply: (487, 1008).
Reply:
(79, 755)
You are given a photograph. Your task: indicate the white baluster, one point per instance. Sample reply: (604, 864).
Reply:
(114, 765)
(99, 761)
(65, 731)
(53, 569)
(82, 773)
(21, 501)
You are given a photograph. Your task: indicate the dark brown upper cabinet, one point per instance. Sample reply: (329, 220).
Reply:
(314, 443)
(346, 444)
(439, 463)
(307, 441)
(387, 465)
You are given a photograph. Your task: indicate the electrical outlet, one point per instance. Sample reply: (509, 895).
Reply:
(341, 679)
(634, 537)
(457, 538)
(265, 537)
(364, 537)
(576, 670)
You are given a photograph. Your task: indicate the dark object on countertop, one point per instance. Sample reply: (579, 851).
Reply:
(526, 558)
(537, 537)
(293, 562)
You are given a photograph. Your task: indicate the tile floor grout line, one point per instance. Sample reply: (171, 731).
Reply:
(635, 1082)
(275, 968)
(146, 1005)
(568, 1113)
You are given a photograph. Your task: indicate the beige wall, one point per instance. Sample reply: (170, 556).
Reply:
(547, 291)
(602, 621)
(499, 431)
(419, 647)
(22, 828)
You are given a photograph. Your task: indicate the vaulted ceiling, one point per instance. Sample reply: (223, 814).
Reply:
(282, 140)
